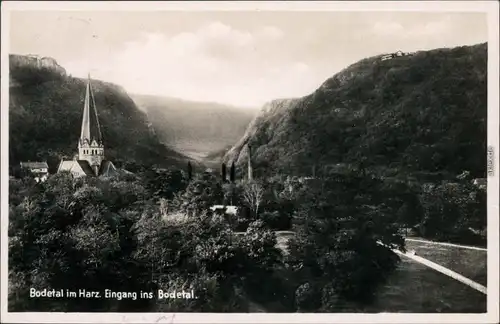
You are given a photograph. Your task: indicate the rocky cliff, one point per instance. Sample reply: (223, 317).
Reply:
(424, 112)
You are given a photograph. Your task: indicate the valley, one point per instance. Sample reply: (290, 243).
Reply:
(319, 181)
(197, 129)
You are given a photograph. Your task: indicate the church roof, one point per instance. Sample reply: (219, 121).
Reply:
(82, 167)
(107, 169)
(85, 165)
(91, 129)
(66, 165)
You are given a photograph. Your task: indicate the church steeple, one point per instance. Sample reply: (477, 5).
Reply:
(90, 145)
(90, 122)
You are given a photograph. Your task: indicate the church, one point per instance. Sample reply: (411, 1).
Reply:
(90, 160)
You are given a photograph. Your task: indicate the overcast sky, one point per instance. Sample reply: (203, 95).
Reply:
(239, 58)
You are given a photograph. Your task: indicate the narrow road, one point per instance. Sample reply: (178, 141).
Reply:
(428, 263)
(447, 244)
(445, 271)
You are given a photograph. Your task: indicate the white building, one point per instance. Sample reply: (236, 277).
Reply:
(231, 210)
(39, 170)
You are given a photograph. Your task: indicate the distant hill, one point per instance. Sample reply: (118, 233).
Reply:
(45, 111)
(196, 129)
(424, 113)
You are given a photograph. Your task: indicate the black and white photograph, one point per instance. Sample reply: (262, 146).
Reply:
(263, 158)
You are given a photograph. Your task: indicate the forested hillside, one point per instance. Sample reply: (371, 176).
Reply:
(45, 111)
(422, 115)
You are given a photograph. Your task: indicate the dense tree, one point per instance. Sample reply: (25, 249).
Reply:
(223, 172)
(202, 192)
(336, 253)
(253, 193)
(202, 254)
(72, 234)
(232, 173)
(190, 171)
(454, 211)
(164, 183)
(109, 233)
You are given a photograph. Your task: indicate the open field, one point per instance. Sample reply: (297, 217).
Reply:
(469, 263)
(415, 288)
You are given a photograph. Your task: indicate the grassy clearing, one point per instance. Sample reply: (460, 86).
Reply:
(282, 237)
(415, 288)
(469, 263)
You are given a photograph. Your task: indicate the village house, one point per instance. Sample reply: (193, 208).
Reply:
(39, 170)
(398, 54)
(394, 55)
(481, 183)
(230, 210)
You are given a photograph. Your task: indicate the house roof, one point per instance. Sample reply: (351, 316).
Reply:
(85, 165)
(480, 182)
(78, 166)
(66, 165)
(228, 209)
(34, 165)
(107, 168)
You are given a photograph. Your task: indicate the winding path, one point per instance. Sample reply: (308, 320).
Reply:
(445, 271)
(446, 244)
(426, 262)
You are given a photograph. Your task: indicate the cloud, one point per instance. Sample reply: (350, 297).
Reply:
(399, 30)
(213, 63)
(432, 28)
(387, 28)
(272, 32)
(248, 66)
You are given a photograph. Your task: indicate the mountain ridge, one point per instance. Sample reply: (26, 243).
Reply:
(380, 113)
(201, 102)
(47, 104)
(198, 129)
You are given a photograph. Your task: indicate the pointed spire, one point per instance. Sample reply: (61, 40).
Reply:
(85, 134)
(91, 129)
